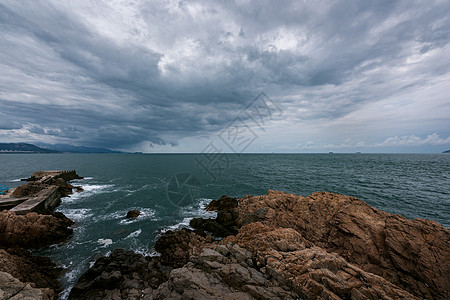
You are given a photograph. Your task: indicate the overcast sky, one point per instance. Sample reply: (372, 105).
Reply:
(171, 76)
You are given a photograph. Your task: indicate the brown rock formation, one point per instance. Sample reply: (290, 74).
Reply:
(33, 230)
(325, 246)
(13, 288)
(27, 276)
(40, 271)
(413, 254)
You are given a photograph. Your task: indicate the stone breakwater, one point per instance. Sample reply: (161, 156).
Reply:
(283, 246)
(30, 223)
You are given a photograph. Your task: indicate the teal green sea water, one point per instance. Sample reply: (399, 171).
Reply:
(414, 185)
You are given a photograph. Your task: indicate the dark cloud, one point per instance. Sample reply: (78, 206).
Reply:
(117, 75)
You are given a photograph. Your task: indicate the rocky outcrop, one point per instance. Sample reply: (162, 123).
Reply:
(122, 275)
(133, 214)
(413, 254)
(324, 246)
(39, 271)
(12, 288)
(225, 222)
(33, 230)
(32, 224)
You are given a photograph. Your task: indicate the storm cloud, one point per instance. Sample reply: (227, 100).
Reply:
(169, 75)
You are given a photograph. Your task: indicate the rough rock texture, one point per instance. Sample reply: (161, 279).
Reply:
(12, 288)
(176, 247)
(33, 230)
(225, 222)
(325, 246)
(133, 214)
(38, 270)
(34, 277)
(413, 254)
(122, 275)
(310, 271)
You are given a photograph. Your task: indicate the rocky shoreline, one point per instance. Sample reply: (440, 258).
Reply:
(283, 246)
(29, 225)
(274, 246)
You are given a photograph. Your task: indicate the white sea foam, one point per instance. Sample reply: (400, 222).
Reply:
(77, 214)
(146, 214)
(134, 234)
(88, 191)
(15, 180)
(195, 211)
(105, 242)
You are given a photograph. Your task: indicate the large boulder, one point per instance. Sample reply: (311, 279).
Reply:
(33, 230)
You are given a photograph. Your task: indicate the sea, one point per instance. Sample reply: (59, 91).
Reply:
(171, 189)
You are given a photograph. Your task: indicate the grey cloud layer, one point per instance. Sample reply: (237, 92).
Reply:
(117, 75)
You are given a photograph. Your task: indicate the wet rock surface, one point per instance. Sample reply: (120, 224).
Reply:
(324, 246)
(133, 214)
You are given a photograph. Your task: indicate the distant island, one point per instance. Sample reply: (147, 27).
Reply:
(447, 151)
(49, 148)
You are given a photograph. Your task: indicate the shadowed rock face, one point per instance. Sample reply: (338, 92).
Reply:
(325, 246)
(40, 271)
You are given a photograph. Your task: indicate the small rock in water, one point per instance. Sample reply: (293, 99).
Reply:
(132, 214)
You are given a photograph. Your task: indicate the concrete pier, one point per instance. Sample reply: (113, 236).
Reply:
(42, 194)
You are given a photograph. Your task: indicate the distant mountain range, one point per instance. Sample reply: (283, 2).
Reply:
(49, 148)
(447, 151)
(23, 148)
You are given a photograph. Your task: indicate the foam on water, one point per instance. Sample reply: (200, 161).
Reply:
(134, 234)
(88, 191)
(77, 214)
(197, 210)
(146, 213)
(105, 242)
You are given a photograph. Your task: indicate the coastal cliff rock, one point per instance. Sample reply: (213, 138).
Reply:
(33, 230)
(122, 275)
(31, 223)
(39, 271)
(413, 254)
(324, 246)
(13, 288)
(225, 222)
